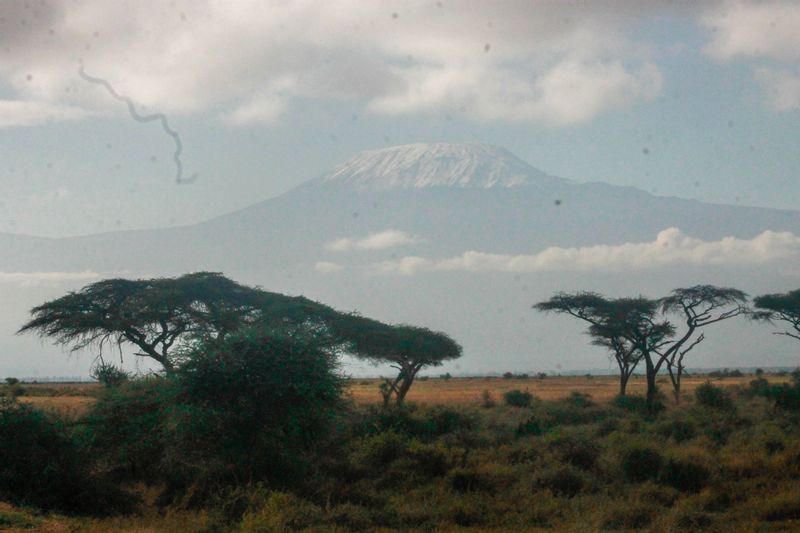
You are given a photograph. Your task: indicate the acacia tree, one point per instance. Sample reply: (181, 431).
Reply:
(699, 306)
(156, 315)
(780, 307)
(408, 349)
(636, 320)
(597, 311)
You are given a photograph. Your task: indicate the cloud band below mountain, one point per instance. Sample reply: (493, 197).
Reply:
(671, 247)
(374, 241)
(37, 278)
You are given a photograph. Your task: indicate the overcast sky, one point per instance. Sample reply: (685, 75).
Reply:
(699, 100)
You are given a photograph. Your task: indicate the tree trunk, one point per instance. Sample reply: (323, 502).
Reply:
(651, 380)
(405, 385)
(408, 373)
(676, 384)
(623, 382)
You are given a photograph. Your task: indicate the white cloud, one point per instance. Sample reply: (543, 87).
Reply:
(753, 29)
(671, 247)
(326, 267)
(782, 88)
(545, 61)
(38, 278)
(375, 241)
(761, 31)
(31, 113)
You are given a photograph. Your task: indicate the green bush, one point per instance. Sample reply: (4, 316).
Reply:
(381, 449)
(714, 397)
(487, 400)
(630, 515)
(467, 480)
(561, 480)
(579, 399)
(638, 405)
(109, 375)
(577, 450)
(427, 459)
(641, 463)
(684, 475)
(127, 431)
(253, 407)
(518, 398)
(278, 512)
(533, 425)
(677, 429)
(41, 464)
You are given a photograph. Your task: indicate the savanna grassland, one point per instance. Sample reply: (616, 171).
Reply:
(477, 454)
(74, 399)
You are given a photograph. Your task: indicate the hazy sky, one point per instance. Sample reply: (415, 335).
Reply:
(699, 100)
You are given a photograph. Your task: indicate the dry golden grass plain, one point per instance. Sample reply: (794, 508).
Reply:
(464, 391)
(77, 398)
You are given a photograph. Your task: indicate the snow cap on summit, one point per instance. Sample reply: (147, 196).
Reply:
(417, 166)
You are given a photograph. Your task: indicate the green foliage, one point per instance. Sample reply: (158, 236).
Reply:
(630, 515)
(381, 449)
(638, 405)
(641, 463)
(714, 397)
(109, 375)
(16, 520)
(518, 398)
(678, 429)
(252, 405)
(578, 450)
(41, 464)
(127, 429)
(533, 425)
(684, 474)
(11, 381)
(279, 512)
(487, 400)
(562, 480)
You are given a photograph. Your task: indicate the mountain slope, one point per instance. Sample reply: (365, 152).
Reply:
(451, 199)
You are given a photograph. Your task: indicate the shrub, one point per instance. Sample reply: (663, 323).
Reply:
(439, 421)
(109, 375)
(253, 406)
(381, 449)
(427, 459)
(630, 515)
(533, 426)
(684, 475)
(641, 463)
(518, 398)
(579, 399)
(576, 450)
(126, 429)
(779, 507)
(714, 397)
(278, 512)
(467, 480)
(41, 464)
(562, 481)
(679, 430)
(487, 400)
(638, 405)
(12, 381)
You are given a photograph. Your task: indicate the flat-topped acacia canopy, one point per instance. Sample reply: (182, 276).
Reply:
(155, 315)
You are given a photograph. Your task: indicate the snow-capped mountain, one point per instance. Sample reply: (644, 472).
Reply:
(423, 204)
(417, 166)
